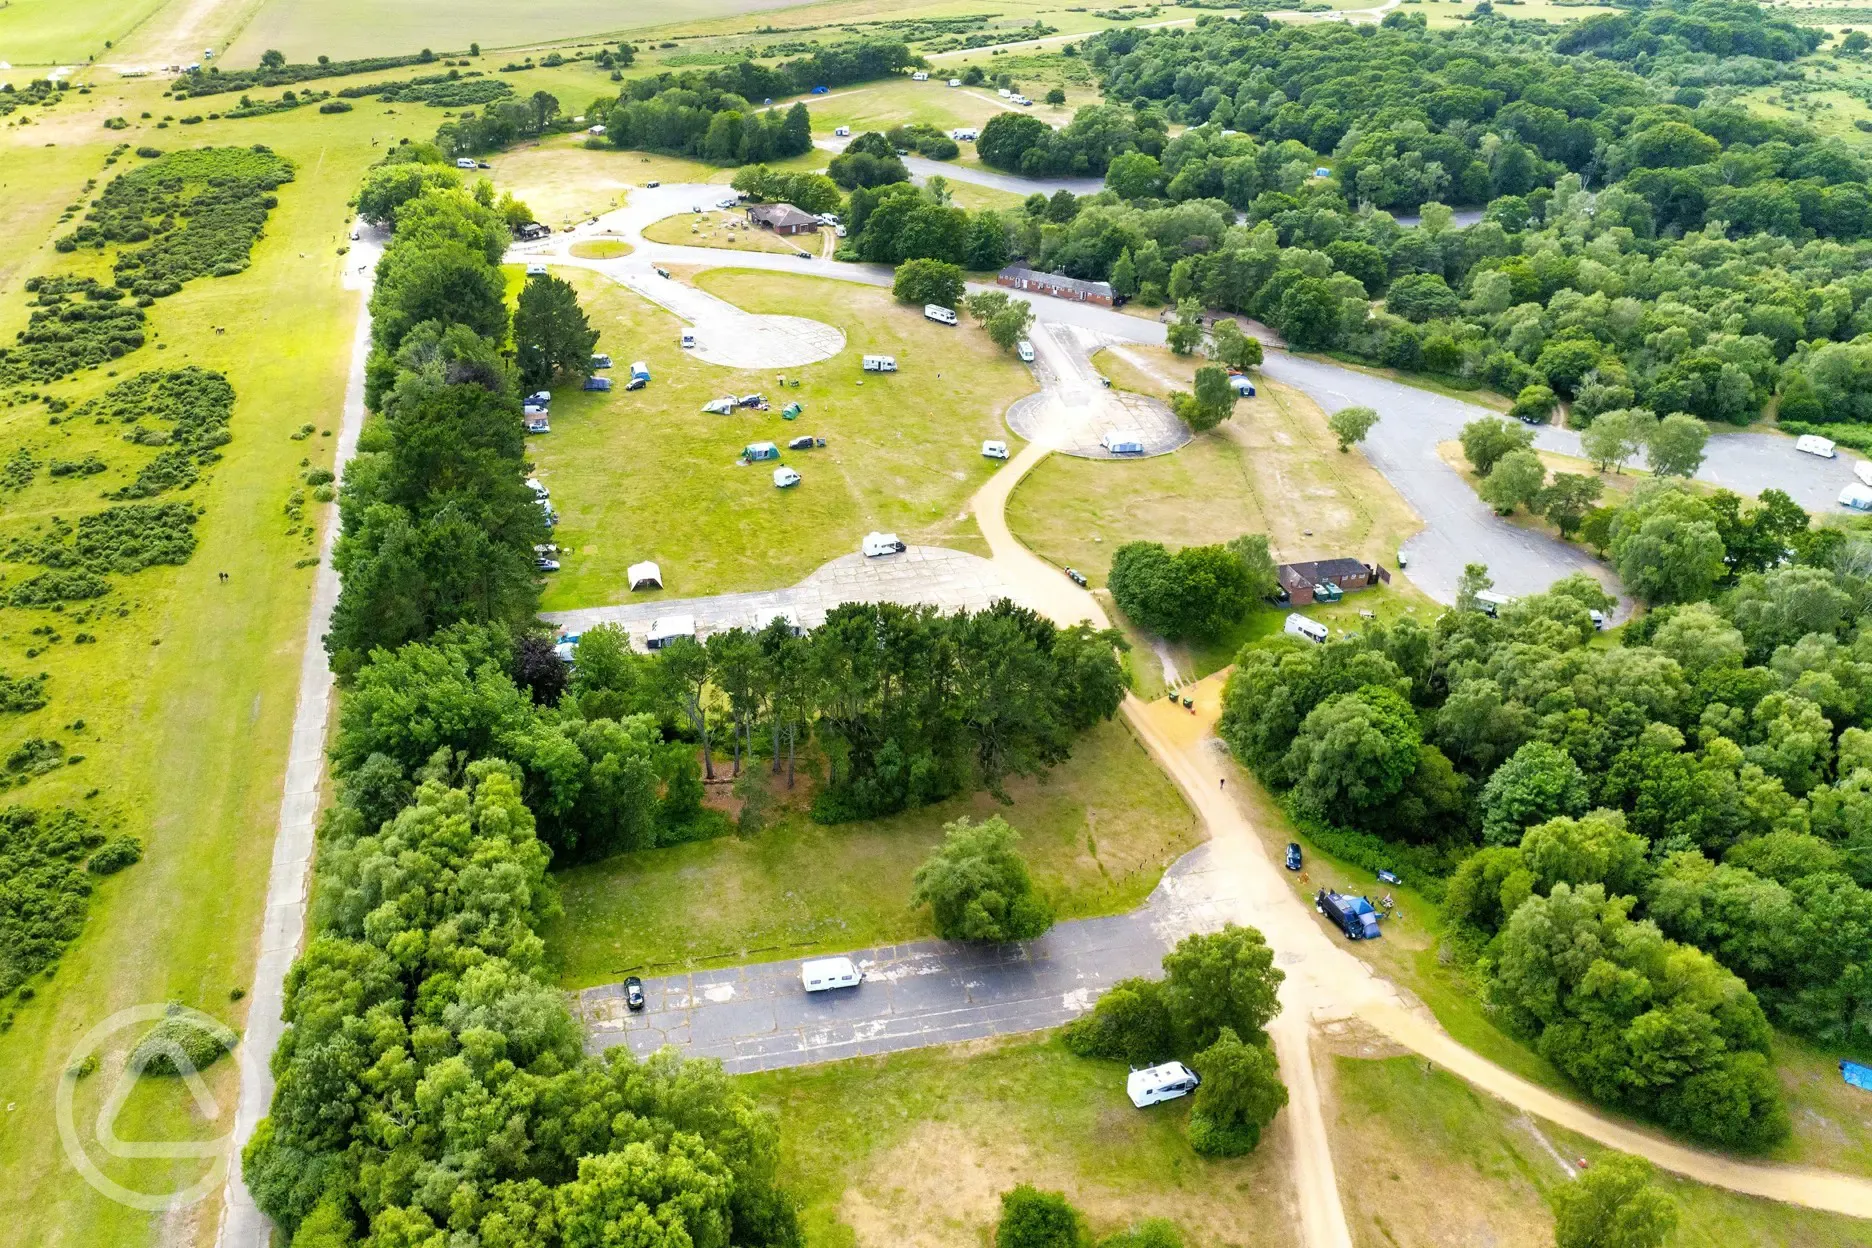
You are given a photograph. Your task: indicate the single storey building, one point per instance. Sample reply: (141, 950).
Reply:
(1060, 287)
(1325, 580)
(782, 218)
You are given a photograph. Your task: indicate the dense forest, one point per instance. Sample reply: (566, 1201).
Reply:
(1694, 804)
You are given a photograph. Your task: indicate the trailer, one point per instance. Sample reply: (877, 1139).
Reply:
(880, 363)
(1355, 916)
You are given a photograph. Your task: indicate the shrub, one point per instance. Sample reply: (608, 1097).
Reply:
(59, 586)
(335, 106)
(181, 1044)
(47, 891)
(928, 281)
(114, 855)
(22, 693)
(1240, 1093)
(1031, 1218)
(1130, 1024)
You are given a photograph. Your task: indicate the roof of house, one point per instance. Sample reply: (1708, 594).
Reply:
(1057, 281)
(1321, 570)
(779, 215)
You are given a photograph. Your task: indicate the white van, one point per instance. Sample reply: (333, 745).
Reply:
(784, 477)
(995, 450)
(936, 312)
(1814, 444)
(876, 544)
(463, 162)
(1024, 349)
(819, 974)
(535, 269)
(688, 339)
(880, 363)
(1160, 1083)
(1299, 626)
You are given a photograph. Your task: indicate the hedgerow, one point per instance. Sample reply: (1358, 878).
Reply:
(215, 81)
(450, 90)
(199, 211)
(89, 466)
(42, 907)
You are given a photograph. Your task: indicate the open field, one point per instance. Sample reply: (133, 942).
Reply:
(893, 102)
(186, 702)
(712, 229)
(649, 475)
(66, 32)
(1446, 14)
(601, 249)
(1424, 1159)
(1832, 1122)
(915, 1149)
(1097, 832)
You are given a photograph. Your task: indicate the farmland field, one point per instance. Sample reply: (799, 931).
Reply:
(65, 32)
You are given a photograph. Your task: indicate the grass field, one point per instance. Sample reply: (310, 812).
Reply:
(649, 475)
(601, 249)
(711, 229)
(1097, 832)
(915, 1149)
(187, 702)
(1424, 1159)
(66, 32)
(564, 182)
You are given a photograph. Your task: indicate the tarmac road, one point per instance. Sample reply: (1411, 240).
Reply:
(759, 1017)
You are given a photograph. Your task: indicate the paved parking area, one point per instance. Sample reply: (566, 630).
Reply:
(949, 579)
(1074, 410)
(758, 1017)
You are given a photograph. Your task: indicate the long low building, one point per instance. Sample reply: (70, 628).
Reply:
(782, 218)
(1056, 284)
(1324, 580)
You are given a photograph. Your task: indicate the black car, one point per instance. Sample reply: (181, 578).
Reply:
(633, 993)
(1076, 577)
(1293, 855)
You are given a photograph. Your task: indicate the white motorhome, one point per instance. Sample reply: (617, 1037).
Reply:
(841, 132)
(535, 268)
(936, 312)
(876, 544)
(1856, 496)
(1155, 1084)
(1299, 626)
(667, 628)
(1025, 350)
(1814, 444)
(995, 450)
(821, 974)
(880, 363)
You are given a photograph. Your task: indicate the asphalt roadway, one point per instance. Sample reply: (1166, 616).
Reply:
(759, 1017)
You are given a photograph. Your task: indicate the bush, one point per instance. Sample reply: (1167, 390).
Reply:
(48, 893)
(19, 694)
(335, 106)
(181, 1044)
(1198, 592)
(114, 855)
(59, 586)
(1130, 1024)
(1031, 1218)
(1240, 1093)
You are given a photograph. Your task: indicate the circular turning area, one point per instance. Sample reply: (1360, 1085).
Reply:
(737, 339)
(1091, 425)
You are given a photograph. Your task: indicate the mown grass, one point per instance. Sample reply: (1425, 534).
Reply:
(188, 702)
(1097, 832)
(917, 1147)
(648, 475)
(711, 229)
(1423, 1159)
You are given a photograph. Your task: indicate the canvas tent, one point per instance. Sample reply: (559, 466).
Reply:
(757, 451)
(645, 575)
(719, 407)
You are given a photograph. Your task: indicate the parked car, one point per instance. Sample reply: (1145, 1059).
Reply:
(1293, 855)
(546, 564)
(1077, 577)
(633, 993)
(637, 383)
(652, 184)
(805, 442)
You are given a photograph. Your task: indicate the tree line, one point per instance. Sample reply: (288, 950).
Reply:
(1687, 803)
